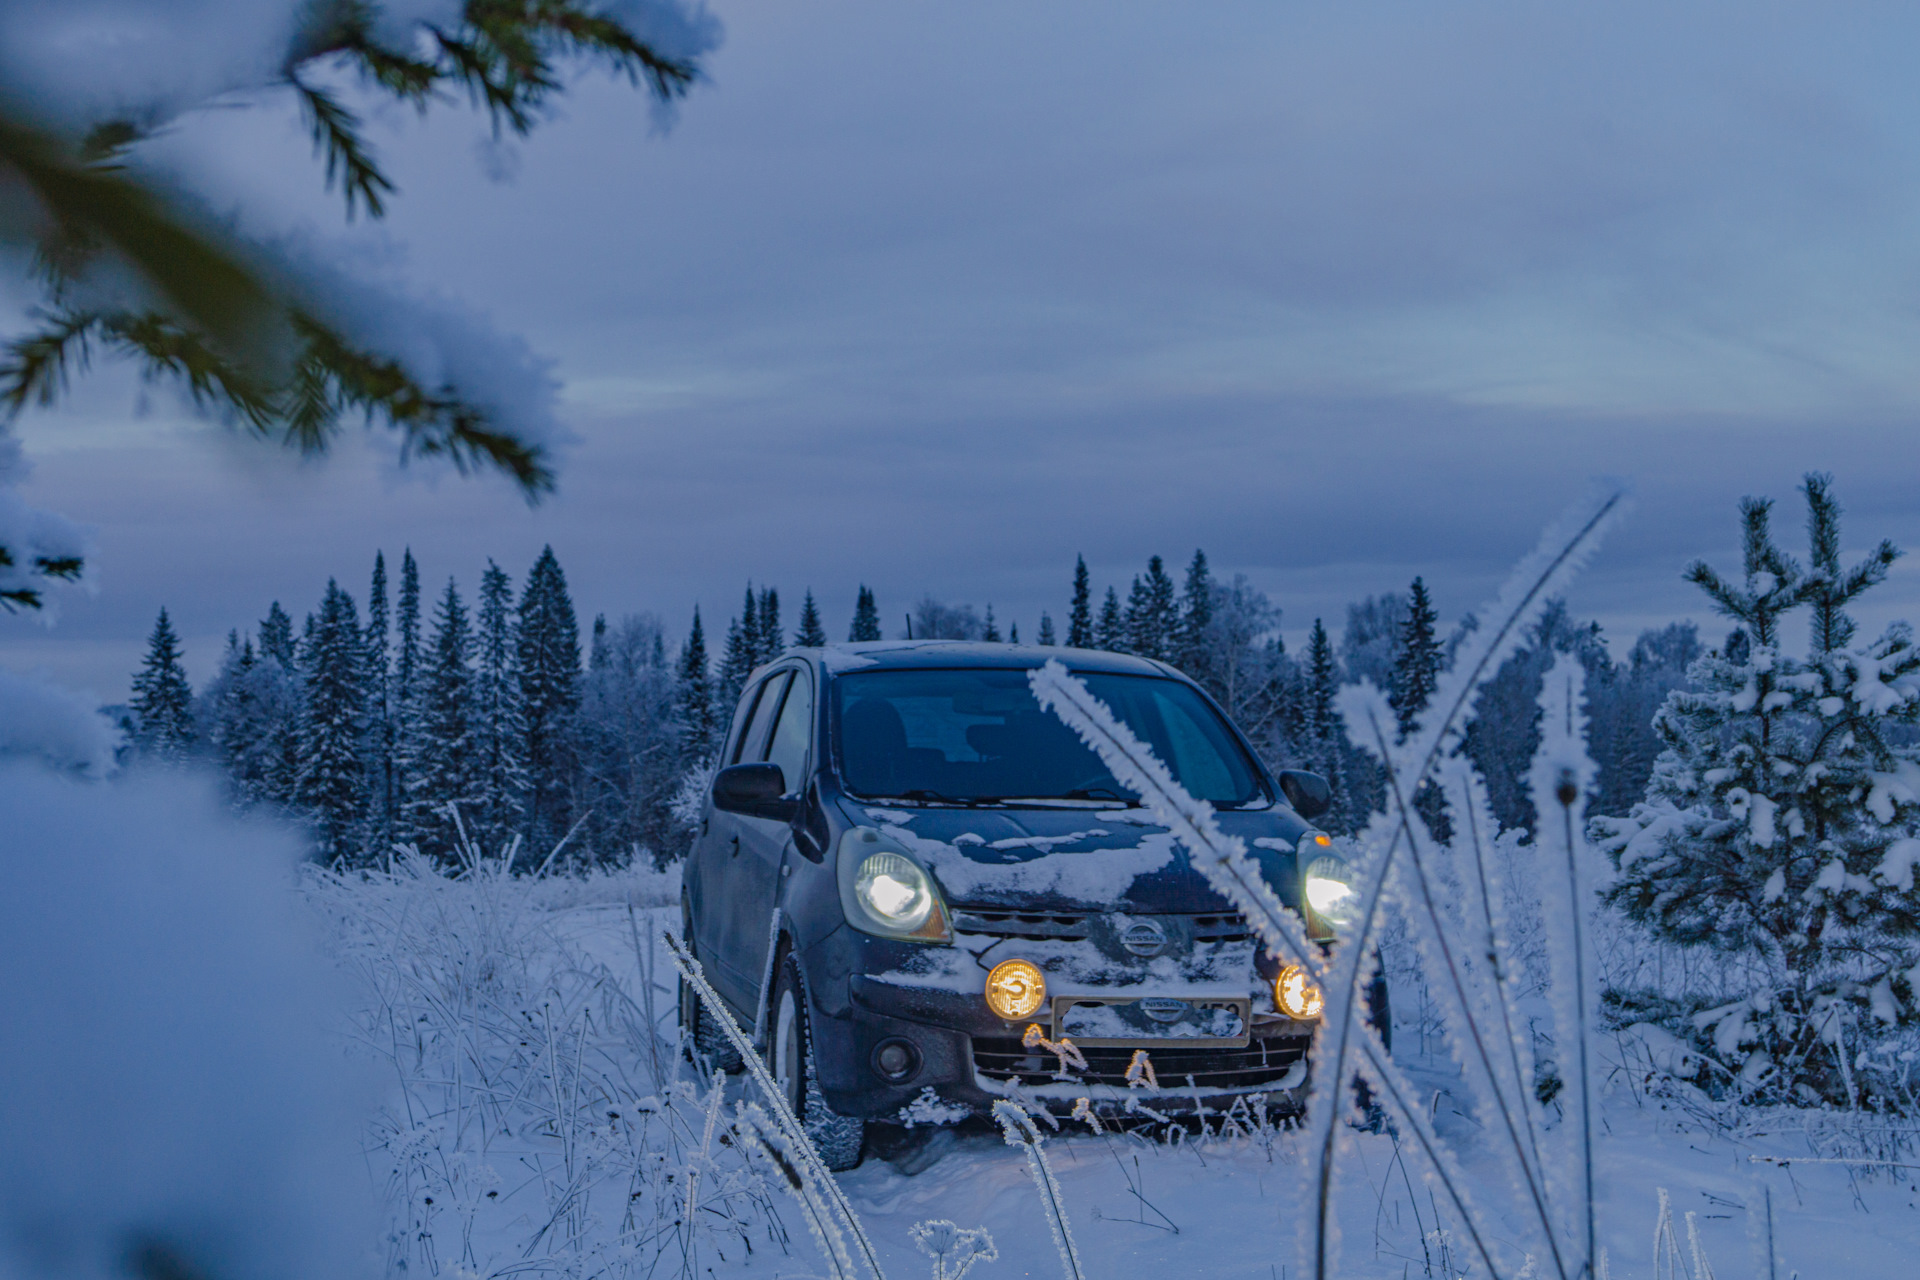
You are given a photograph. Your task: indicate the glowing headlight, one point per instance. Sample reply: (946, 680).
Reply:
(1015, 989)
(1295, 996)
(894, 890)
(1328, 886)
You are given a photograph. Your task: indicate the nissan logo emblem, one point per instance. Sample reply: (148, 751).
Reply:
(1144, 938)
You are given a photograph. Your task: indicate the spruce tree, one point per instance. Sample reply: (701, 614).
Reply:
(866, 617)
(597, 650)
(331, 784)
(1046, 631)
(279, 683)
(1195, 619)
(1111, 633)
(406, 696)
(693, 699)
(1080, 614)
(1780, 826)
(499, 725)
(1323, 733)
(1013, 633)
(162, 702)
(447, 771)
(1416, 667)
(379, 684)
(740, 656)
(1152, 613)
(811, 634)
(990, 632)
(276, 636)
(549, 649)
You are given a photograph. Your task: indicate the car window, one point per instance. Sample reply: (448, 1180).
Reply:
(793, 732)
(979, 735)
(753, 741)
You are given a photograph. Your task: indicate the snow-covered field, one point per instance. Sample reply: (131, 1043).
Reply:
(533, 1172)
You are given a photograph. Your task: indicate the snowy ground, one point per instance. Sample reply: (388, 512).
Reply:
(1228, 1206)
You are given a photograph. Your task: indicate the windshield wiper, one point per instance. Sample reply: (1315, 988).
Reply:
(1100, 793)
(928, 796)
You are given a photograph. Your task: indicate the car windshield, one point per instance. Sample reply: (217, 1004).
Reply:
(977, 736)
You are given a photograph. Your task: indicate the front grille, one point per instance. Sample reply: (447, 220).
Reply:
(1261, 1062)
(1063, 926)
(1227, 928)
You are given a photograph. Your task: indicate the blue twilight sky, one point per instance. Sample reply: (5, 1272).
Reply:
(934, 297)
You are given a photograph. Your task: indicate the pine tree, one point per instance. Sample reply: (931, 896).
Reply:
(1111, 633)
(597, 651)
(1322, 730)
(379, 686)
(866, 617)
(741, 654)
(276, 636)
(1196, 617)
(693, 699)
(990, 632)
(406, 695)
(499, 726)
(447, 772)
(280, 686)
(772, 638)
(1416, 667)
(1152, 613)
(1046, 631)
(811, 634)
(1780, 826)
(1080, 615)
(549, 647)
(162, 703)
(331, 785)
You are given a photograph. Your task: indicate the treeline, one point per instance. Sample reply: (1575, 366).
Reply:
(411, 724)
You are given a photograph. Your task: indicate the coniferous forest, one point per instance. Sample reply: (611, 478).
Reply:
(376, 721)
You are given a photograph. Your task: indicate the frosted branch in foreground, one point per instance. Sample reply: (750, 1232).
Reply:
(1021, 1132)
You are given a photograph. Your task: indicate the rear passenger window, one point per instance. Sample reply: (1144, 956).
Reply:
(753, 741)
(793, 733)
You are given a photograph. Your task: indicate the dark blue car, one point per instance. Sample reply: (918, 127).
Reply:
(922, 892)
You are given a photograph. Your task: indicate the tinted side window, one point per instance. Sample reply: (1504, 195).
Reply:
(754, 739)
(793, 733)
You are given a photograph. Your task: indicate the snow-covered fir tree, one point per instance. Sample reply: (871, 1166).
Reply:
(1013, 633)
(1190, 646)
(1046, 635)
(407, 696)
(499, 725)
(331, 786)
(811, 634)
(549, 651)
(989, 629)
(770, 639)
(379, 686)
(1110, 633)
(1416, 667)
(1323, 734)
(1080, 612)
(1153, 613)
(447, 770)
(1779, 828)
(694, 711)
(740, 655)
(162, 702)
(866, 617)
(627, 745)
(236, 715)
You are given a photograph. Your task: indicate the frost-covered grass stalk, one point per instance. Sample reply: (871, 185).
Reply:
(1465, 958)
(532, 1124)
(1021, 1132)
(812, 1170)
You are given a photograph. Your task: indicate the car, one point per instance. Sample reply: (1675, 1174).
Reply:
(917, 893)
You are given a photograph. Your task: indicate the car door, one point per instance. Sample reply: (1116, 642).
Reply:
(766, 844)
(716, 930)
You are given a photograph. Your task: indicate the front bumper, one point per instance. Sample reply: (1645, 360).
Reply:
(970, 1058)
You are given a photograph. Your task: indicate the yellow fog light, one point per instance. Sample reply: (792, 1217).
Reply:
(1015, 989)
(1295, 996)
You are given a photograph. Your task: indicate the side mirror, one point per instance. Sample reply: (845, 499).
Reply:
(756, 790)
(1308, 793)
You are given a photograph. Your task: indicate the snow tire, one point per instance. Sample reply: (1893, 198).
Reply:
(837, 1138)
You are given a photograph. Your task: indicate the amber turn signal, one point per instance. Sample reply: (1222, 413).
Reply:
(1295, 996)
(1015, 989)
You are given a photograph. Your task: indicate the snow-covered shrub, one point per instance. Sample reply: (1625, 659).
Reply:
(170, 1100)
(1779, 831)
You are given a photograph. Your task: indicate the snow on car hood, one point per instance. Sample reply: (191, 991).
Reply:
(1078, 857)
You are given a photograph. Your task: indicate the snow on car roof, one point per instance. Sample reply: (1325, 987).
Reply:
(876, 655)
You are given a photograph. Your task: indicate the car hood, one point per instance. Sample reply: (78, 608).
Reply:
(1078, 858)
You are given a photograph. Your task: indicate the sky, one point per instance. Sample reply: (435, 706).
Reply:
(936, 297)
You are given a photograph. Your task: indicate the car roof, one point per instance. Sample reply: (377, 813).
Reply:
(895, 655)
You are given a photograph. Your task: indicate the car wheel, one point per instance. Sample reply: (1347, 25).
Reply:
(702, 1037)
(837, 1138)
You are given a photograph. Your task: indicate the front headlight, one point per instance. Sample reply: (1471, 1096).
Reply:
(884, 891)
(1328, 886)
